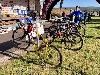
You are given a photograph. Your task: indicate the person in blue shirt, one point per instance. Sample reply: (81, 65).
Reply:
(78, 15)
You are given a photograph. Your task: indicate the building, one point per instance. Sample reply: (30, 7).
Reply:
(37, 5)
(9, 5)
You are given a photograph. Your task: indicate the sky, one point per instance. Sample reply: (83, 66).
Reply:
(81, 3)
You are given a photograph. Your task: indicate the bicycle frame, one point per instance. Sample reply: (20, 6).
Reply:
(45, 42)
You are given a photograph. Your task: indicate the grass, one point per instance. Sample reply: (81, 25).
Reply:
(83, 62)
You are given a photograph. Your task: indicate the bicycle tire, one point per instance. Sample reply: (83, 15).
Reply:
(78, 30)
(55, 49)
(51, 34)
(84, 31)
(20, 43)
(51, 40)
(72, 41)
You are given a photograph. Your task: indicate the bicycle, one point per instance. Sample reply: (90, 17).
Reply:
(61, 30)
(77, 29)
(45, 54)
(80, 28)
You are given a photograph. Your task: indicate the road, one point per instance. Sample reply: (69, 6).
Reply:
(8, 49)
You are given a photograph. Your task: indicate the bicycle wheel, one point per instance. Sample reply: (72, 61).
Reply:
(81, 30)
(54, 59)
(51, 35)
(73, 41)
(21, 39)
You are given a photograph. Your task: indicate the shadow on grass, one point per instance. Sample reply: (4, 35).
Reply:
(92, 37)
(88, 36)
(97, 37)
(69, 44)
(94, 21)
(35, 61)
(38, 60)
(96, 27)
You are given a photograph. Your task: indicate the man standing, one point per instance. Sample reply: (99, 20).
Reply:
(89, 16)
(78, 15)
(85, 17)
(32, 14)
(0, 13)
(71, 17)
(37, 15)
(63, 14)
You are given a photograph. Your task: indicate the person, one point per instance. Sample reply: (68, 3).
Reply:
(37, 15)
(32, 14)
(0, 13)
(97, 12)
(78, 15)
(0, 16)
(89, 17)
(85, 16)
(63, 14)
(71, 17)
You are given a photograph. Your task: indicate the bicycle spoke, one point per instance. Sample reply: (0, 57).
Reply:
(51, 55)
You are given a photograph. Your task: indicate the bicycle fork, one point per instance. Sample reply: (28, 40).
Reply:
(45, 54)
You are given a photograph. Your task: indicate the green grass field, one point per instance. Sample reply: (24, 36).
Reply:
(83, 62)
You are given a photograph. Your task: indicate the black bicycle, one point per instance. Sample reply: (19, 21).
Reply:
(60, 30)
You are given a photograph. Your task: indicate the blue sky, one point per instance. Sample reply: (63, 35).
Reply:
(81, 3)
